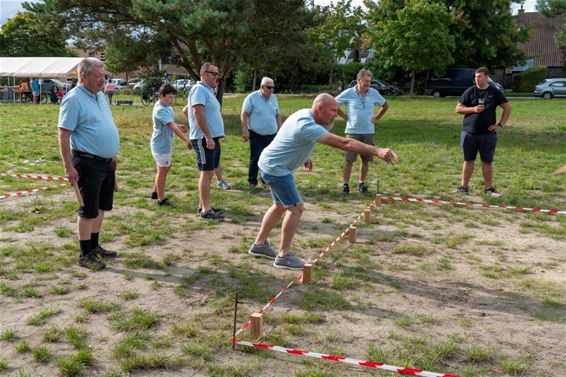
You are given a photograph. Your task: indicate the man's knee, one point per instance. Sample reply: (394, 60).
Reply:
(297, 210)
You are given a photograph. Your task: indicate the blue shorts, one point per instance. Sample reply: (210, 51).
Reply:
(484, 143)
(283, 189)
(207, 159)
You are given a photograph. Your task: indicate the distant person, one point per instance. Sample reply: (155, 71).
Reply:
(35, 88)
(53, 94)
(164, 131)
(478, 104)
(290, 149)
(260, 121)
(74, 83)
(109, 89)
(89, 143)
(360, 100)
(206, 129)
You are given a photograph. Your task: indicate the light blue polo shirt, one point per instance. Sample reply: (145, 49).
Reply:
(261, 113)
(89, 119)
(162, 138)
(293, 144)
(202, 94)
(360, 109)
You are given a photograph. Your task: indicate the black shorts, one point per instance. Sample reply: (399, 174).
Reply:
(96, 182)
(483, 143)
(207, 159)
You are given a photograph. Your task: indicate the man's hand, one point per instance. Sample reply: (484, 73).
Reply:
(387, 155)
(246, 135)
(479, 108)
(308, 165)
(494, 128)
(209, 143)
(184, 129)
(72, 174)
(189, 145)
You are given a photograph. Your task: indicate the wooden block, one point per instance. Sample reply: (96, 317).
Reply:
(307, 273)
(378, 200)
(352, 235)
(256, 326)
(367, 216)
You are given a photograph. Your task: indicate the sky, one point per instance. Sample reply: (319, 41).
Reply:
(8, 8)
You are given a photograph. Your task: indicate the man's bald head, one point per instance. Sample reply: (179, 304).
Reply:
(324, 109)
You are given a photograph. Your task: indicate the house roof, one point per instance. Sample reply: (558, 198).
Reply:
(541, 46)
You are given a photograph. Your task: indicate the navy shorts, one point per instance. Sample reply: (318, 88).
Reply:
(96, 183)
(207, 159)
(483, 143)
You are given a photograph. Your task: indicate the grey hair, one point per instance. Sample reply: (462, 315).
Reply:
(205, 66)
(265, 80)
(363, 73)
(86, 66)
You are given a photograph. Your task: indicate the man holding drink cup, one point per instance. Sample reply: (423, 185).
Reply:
(478, 104)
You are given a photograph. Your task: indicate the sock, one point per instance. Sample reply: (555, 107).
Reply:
(94, 240)
(85, 247)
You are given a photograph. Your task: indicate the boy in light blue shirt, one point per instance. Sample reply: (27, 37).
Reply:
(290, 149)
(360, 101)
(164, 131)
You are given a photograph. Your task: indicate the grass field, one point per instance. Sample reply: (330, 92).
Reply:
(452, 290)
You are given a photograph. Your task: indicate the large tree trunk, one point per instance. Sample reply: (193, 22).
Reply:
(411, 94)
(255, 80)
(220, 90)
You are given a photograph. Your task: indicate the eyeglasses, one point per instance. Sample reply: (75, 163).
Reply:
(269, 87)
(213, 73)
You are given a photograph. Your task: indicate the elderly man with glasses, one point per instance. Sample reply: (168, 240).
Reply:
(206, 129)
(260, 121)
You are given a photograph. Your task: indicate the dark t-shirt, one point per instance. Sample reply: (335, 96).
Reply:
(478, 123)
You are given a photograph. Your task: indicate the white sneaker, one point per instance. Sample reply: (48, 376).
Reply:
(223, 185)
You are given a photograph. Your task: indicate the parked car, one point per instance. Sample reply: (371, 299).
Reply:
(550, 88)
(47, 84)
(382, 87)
(183, 84)
(133, 82)
(454, 82)
(139, 85)
(120, 83)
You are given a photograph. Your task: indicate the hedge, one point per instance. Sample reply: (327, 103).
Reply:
(526, 81)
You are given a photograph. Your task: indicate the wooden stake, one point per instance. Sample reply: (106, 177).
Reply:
(116, 187)
(307, 273)
(352, 235)
(378, 200)
(256, 327)
(78, 194)
(367, 216)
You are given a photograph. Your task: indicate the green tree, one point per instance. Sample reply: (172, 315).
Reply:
(25, 35)
(553, 8)
(221, 31)
(415, 37)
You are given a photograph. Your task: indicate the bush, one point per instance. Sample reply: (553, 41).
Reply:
(526, 81)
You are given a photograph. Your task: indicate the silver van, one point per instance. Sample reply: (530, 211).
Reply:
(550, 88)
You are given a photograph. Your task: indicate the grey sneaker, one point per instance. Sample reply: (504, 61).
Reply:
(289, 262)
(492, 192)
(223, 185)
(461, 190)
(264, 250)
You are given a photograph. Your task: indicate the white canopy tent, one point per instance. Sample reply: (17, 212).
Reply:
(38, 67)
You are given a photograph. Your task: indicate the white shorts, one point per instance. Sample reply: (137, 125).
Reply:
(162, 160)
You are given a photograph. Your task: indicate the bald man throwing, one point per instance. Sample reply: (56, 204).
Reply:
(290, 149)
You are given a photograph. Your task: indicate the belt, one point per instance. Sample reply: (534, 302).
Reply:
(88, 155)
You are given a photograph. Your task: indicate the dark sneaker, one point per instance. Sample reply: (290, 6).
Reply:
(461, 190)
(223, 185)
(262, 251)
(166, 202)
(102, 252)
(345, 189)
(252, 186)
(492, 192)
(217, 210)
(362, 188)
(91, 262)
(154, 195)
(289, 262)
(211, 215)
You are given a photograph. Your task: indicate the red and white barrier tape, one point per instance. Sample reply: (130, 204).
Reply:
(34, 176)
(300, 276)
(31, 191)
(476, 205)
(342, 359)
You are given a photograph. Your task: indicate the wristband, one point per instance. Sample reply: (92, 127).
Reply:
(500, 125)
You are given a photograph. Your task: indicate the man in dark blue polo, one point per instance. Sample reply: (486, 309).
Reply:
(89, 143)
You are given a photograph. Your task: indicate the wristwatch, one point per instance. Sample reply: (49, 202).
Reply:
(500, 125)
